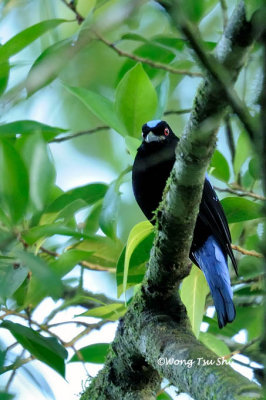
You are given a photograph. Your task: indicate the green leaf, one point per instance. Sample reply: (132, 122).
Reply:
(109, 213)
(163, 95)
(132, 145)
(193, 293)
(25, 127)
(45, 349)
(68, 260)
(193, 9)
(42, 272)
(43, 231)
(6, 396)
(90, 194)
(48, 65)
(164, 396)
(136, 100)
(4, 75)
(254, 168)
(110, 207)
(252, 6)
(214, 344)
(105, 251)
(24, 38)
(133, 36)
(137, 234)
(91, 224)
(94, 353)
(10, 279)
(153, 52)
(219, 167)
(111, 312)
(243, 151)
(238, 209)
(137, 264)
(14, 184)
(37, 157)
(100, 106)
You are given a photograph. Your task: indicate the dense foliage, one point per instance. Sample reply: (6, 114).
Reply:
(83, 77)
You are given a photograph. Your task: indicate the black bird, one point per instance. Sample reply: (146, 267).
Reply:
(212, 240)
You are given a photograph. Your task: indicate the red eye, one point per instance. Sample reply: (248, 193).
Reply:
(166, 131)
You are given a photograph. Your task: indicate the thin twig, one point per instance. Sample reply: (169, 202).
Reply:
(18, 364)
(221, 76)
(73, 8)
(78, 134)
(13, 374)
(184, 111)
(85, 264)
(230, 137)
(243, 348)
(246, 281)
(151, 63)
(80, 335)
(224, 12)
(252, 253)
(241, 193)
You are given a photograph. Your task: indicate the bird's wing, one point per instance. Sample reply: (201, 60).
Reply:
(212, 214)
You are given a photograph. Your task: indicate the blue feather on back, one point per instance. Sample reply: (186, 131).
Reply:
(213, 264)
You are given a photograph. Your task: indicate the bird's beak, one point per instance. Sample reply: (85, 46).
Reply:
(153, 138)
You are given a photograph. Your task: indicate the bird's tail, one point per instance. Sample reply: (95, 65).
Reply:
(213, 264)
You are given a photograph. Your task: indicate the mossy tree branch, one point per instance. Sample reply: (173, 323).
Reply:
(156, 325)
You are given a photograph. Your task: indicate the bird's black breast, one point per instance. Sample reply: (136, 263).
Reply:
(151, 169)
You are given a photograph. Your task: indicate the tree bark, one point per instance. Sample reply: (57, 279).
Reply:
(155, 327)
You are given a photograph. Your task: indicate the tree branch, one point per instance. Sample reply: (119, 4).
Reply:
(241, 192)
(143, 60)
(156, 325)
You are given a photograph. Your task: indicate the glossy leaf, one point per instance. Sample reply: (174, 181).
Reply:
(151, 51)
(252, 6)
(25, 127)
(163, 95)
(91, 224)
(132, 145)
(219, 167)
(193, 9)
(193, 293)
(89, 194)
(14, 184)
(164, 396)
(100, 106)
(45, 349)
(94, 353)
(109, 213)
(137, 234)
(41, 171)
(4, 75)
(215, 344)
(243, 151)
(68, 260)
(42, 231)
(26, 37)
(105, 251)
(48, 65)
(111, 312)
(42, 272)
(254, 168)
(137, 264)
(136, 100)
(10, 279)
(239, 209)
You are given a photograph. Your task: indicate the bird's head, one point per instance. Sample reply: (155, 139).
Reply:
(156, 131)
